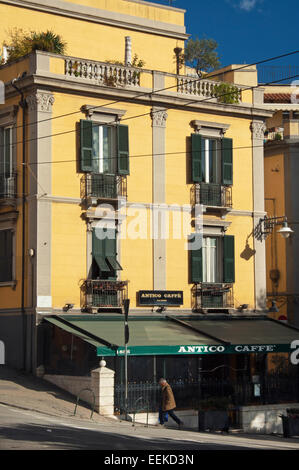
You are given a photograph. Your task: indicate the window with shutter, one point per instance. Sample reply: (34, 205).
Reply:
(212, 160)
(104, 254)
(104, 148)
(6, 255)
(214, 262)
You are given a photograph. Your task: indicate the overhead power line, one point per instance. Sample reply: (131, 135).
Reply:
(136, 116)
(139, 95)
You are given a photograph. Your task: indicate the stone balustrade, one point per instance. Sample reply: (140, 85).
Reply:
(102, 73)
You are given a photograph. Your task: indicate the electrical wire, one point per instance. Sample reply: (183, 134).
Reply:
(138, 95)
(133, 117)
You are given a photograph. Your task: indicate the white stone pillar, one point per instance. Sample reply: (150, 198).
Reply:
(102, 385)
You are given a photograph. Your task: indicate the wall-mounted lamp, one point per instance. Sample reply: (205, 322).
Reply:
(285, 231)
(266, 226)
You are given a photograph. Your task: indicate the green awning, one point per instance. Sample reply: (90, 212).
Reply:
(243, 335)
(178, 335)
(148, 336)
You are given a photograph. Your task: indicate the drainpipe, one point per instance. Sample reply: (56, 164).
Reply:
(23, 105)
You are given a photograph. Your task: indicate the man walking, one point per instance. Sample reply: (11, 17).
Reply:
(167, 404)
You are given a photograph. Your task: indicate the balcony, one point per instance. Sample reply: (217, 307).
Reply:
(102, 73)
(102, 294)
(121, 76)
(214, 196)
(96, 187)
(8, 189)
(212, 297)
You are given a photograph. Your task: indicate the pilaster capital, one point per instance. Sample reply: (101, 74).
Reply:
(40, 101)
(159, 116)
(258, 129)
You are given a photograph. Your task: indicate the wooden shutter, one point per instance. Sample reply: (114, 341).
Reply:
(98, 250)
(228, 258)
(227, 161)
(123, 167)
(196, 151)
(110, 250)
(6, 255)
(86, 145)
(196, 260)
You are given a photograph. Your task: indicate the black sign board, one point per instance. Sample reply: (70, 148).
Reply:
(161, 297)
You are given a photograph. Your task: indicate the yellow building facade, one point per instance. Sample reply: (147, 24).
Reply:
(281, 148)
(150, 158)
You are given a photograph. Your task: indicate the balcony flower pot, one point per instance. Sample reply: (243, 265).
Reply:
(213, 415)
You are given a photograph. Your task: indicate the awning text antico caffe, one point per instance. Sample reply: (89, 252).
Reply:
(204, 349)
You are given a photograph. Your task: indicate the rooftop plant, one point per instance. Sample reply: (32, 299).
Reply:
(21, 43)
(202, 55)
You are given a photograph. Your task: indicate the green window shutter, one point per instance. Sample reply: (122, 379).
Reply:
(110, 251)
(98, 250)
(86, 145)
(196, 262)
(6, 255)
(228, 258)
(227, 161)
(123, 150)
(196, 151)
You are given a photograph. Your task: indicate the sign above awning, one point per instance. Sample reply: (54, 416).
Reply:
(178, 335)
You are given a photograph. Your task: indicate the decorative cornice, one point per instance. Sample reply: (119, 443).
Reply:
(106, 17)
(40, 102)
(159, 117)
(258, 129)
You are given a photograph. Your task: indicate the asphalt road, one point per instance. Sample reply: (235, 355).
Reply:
(26, 430)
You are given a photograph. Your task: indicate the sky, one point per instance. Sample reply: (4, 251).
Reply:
(246, 31)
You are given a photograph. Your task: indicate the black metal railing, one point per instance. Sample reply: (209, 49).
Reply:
(212, 194)
(104, 294)
(212, 296)
(277, 73)
(8, 186)
(274, 388)
(103, 186)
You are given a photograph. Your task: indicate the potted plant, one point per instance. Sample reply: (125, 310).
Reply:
(213, 414)
(22, 43)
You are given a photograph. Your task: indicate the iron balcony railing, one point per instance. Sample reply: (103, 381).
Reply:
(104, 294)
(212, 195)
(103, 186)
(8, 187)
(212, 296)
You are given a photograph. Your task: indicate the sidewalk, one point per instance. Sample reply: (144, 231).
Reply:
(22, 390)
